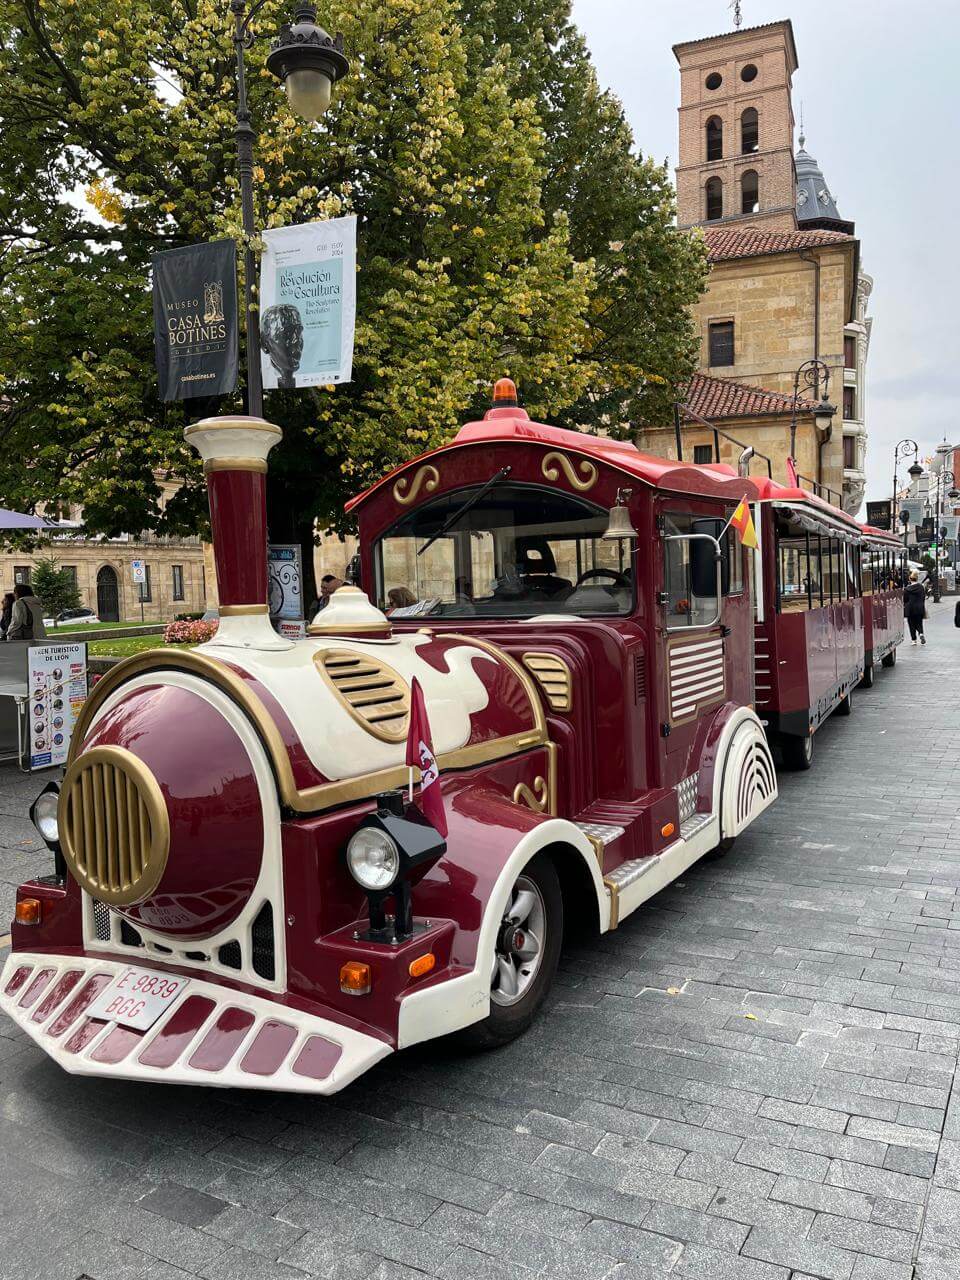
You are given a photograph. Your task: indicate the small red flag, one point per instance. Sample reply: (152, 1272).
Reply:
(792, 480)
(420, 754)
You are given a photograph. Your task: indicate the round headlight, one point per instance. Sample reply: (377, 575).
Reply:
(45, 816)
(373, 859)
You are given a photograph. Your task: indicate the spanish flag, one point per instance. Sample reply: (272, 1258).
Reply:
(743, 523)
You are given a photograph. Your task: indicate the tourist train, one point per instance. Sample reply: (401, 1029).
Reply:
(246, 894)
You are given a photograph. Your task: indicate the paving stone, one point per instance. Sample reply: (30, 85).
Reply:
(798, 1255)
(183, 1204)
(823, 1198)
(864, 1237)
(701, 1262)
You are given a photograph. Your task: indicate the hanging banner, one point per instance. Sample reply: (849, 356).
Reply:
(284, 576)
(195, 320)
(57, 679)
(308, 304)
(878, 514)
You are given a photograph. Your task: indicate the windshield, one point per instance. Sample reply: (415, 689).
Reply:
(520, 551)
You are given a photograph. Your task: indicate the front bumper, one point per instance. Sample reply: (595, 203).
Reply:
(213, 1035)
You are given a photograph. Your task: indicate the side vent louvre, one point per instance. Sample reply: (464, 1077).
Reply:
(639, 678)
(261, 936)
(554, 678)
(373, 693)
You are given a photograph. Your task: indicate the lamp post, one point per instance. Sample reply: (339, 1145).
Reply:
(307, 61)
(944, 477)
(903, 448)
(808, 377)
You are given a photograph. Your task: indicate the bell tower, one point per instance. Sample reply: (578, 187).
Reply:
(736, 129)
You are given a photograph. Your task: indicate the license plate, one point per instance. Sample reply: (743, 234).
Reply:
(138, 997)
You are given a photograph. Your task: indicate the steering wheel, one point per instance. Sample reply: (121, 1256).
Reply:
(618, 579)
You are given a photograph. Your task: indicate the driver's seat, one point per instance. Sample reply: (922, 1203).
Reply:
(537, 566)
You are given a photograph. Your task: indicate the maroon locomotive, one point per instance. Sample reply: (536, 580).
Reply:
(248, 896)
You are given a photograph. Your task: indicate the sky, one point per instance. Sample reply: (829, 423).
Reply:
(878, 83)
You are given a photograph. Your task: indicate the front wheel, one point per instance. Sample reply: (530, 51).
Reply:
(526, 953)
(797, 753)
(890, 659)
(845, 705)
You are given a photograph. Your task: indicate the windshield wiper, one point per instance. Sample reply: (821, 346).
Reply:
(467, 506)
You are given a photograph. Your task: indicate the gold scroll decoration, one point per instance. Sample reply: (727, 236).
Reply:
(553, 463)
(406, 491)
(536, 799)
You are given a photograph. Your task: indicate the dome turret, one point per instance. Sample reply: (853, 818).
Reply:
(816, 207)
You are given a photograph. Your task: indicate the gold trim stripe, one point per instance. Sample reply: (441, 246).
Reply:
(242, 610)
(259, 465)
(327, 794)
(232, 424)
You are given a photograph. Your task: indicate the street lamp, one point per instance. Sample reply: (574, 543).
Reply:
(809, 376)
(903, 448)
(944, 477)
(307, 61)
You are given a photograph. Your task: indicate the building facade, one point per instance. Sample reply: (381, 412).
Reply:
(785, 283)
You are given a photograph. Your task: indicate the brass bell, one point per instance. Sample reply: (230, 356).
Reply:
(620, 525)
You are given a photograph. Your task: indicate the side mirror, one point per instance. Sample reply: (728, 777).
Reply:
(703, 560)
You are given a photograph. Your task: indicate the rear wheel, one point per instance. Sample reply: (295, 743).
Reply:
(867, 681)
(525, 958)
(723, 848)
(845, 705)
(797, 753)
(890, 659)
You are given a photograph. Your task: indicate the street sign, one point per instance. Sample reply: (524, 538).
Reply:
(878, 514)
(138, 571)
(914, 508)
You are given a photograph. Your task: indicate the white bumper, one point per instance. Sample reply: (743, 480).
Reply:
(212, 1036)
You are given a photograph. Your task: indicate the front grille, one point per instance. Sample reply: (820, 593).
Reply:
(374, 694)
(129, 936)
(114, 826)
(230, 955)
(101, 921)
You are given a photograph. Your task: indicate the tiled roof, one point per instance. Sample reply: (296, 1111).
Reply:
(739, 31)
(716, 398)
(744, 242)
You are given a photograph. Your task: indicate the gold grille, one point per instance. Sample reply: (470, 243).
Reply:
(114, 826)
(553, 676)
(374, 694)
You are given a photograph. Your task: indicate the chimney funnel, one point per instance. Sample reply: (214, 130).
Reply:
(234, 451)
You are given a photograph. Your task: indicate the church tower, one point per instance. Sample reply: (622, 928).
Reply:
(736, 129)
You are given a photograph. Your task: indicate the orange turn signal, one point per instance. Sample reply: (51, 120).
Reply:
(667, 830)
(28, 911)
(355, 978)
(422, 965)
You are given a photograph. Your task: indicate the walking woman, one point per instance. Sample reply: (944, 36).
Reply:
(914, 608)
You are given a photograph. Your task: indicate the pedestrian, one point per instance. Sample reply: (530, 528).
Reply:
(328, 585)
(6, 609)
(915, 608)
(26, 617)
(399, 598)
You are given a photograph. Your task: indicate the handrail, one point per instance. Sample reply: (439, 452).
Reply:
(819, 490)
(680, 408)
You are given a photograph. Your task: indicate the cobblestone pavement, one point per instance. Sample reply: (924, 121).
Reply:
(750, 1080)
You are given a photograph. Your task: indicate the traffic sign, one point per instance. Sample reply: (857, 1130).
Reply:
(138, 571)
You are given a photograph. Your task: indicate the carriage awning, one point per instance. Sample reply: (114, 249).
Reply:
(817, 522)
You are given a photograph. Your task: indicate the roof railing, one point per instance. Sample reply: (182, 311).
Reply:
(820, 490)
(680, 408)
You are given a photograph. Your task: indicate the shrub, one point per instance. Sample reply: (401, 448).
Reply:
(189, 632)
(187, 617)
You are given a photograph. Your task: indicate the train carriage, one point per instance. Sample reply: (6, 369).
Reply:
(246, 895)
(809, 616)
(883, 576)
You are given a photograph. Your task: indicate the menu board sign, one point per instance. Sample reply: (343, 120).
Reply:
(57, 680)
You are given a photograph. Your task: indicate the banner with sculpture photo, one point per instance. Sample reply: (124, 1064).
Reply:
(195, 320)
(308, 304)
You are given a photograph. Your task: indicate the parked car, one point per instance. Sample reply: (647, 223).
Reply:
(72, 616)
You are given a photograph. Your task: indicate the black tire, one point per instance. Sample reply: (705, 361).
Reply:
(868, 677)
(845, 706)
(722, 849)
(505, 1022)
(890, 659)
(797, 753)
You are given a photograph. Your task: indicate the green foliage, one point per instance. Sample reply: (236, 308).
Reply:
(55, 588)
(506, 226)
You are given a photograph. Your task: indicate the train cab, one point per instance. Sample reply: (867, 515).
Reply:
(809, 616)
(883, 576)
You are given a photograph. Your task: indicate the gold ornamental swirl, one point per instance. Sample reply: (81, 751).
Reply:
(427, 478)
(585, 480)
(537, 802)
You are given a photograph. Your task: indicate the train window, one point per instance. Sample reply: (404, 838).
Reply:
(852, 585)
(871, 566)
(799, 572)
(731, 555)
(689, 571)
(519, 551)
